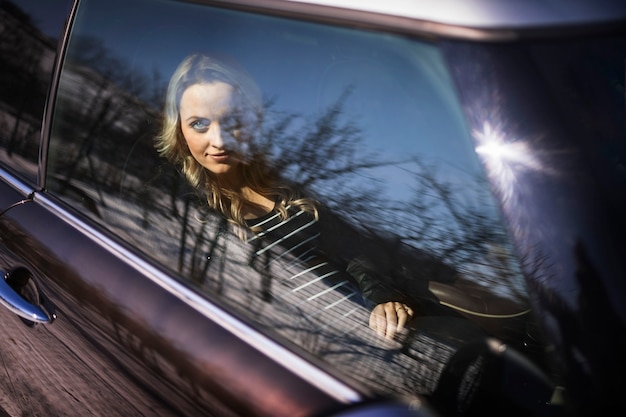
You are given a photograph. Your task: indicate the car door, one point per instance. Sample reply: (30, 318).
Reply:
(132, 297)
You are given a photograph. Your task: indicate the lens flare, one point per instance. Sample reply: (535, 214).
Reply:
(505, 158)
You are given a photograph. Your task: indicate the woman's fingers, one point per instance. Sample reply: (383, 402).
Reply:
(389, 318)
(378, 320)
(404, 313)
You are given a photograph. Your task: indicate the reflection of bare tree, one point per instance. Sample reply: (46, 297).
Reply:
(110, 142)
(26, 57)
(317, 154)
(103, 150)
(102, 121)
(461, 232)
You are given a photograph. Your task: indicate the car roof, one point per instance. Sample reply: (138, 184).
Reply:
(496, 20)
(492, 14)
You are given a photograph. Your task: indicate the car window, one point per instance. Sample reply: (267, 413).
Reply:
(364, 126)
(29, 31)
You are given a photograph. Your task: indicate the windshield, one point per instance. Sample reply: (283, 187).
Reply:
(548, 123)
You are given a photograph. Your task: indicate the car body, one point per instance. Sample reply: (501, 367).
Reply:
(471, 150)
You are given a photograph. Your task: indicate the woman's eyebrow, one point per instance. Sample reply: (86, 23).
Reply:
(195, 117)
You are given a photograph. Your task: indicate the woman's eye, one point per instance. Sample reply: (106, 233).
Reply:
(200, 125)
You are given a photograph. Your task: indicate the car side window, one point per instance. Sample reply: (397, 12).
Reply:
(392, 256)
(29, 32)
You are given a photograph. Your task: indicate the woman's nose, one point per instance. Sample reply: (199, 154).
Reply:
(215, 135)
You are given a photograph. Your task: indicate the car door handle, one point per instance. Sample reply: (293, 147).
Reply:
(10, 299)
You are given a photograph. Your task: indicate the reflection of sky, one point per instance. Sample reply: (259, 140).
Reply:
(402, 100)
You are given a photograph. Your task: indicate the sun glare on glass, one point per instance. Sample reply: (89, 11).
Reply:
(505, 159)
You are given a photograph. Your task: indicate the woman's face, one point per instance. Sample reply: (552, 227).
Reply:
(209, 123)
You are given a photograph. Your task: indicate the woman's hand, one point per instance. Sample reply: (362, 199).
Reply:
(389, 318)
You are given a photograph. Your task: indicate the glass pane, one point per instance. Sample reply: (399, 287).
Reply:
(548, 119)
(29, 31)
(364, 126)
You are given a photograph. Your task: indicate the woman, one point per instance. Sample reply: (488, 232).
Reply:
(212, 112)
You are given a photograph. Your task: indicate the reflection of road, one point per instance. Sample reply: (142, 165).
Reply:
(39, 367)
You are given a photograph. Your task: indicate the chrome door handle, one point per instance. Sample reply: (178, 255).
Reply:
(10, 299)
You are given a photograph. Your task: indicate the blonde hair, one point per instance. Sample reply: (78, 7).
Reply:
(255, 171)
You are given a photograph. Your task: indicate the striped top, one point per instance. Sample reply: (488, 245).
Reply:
(293, 244)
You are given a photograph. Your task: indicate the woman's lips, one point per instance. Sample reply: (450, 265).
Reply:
(219, 157)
